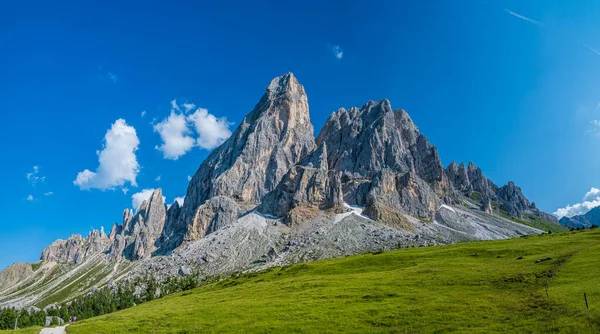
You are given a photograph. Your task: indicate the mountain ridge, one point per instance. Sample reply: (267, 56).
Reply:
(585, 220)
(273, 194)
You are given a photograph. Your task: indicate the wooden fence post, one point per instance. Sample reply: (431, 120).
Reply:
(587, 306)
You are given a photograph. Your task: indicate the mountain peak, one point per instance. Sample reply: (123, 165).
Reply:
(283, 83)
(270, 140)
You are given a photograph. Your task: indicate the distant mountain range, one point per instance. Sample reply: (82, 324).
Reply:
(273, 194)
(586, 220)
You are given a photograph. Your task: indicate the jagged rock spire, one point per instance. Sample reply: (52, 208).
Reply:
(270, 140)
(365, 141)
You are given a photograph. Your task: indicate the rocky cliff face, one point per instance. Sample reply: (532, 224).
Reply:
(471, 182)
(364, 141)
(76, 248)
(309, 184)
(271, 139)
(137, 236)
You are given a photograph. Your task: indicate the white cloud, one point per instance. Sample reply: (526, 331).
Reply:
(337, 51)
(138, 198)
(117, 161)
(174, 105)
(34, 176)
(177, 136)
(30, 198)
(143, 113)
(591, 195)
(590, 201)
(180, 200)
(189, 178)
(211, 131)
(189, 106)
(157, 178)
(49, 193)
(174, 133)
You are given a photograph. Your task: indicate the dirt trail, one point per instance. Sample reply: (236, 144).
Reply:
(55, 330)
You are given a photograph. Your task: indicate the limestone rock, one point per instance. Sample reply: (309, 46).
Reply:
(364, 141)
(304, 186)
(458, 178)
(480, 183)
(406, 193)
(512, 199)
(214, 214)
(76, 248)
(486, 205)
(270, 140)
(172, 230)
(137, 237)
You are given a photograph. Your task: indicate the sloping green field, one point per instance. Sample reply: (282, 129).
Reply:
(480, 287)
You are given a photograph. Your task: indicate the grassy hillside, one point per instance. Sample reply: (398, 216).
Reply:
(480, 287)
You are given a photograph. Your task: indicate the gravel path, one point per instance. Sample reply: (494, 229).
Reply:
(55, 330)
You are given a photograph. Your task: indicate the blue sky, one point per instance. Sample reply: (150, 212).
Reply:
(512, 86)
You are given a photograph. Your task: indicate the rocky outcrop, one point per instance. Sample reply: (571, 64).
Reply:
(512, 200)
(309, 184)
(480, 183)
(76, 248)
(137, 236)
(471, 182)
(214, 214)
(459, 178)
(406, 193)
(364, 141)
(271, 139)
(304, 186)
(173, 228)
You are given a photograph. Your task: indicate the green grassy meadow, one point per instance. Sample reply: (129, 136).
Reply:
(479, 287)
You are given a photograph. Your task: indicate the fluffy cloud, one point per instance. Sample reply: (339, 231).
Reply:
(590, 201)
(138, 198)
(176, 134)
(49, 193)
(157, 179)
(211, 131)
(117, 161)
(143, 113)
(337, 51)
(34, 177)
(30, 198)
(189, 106)
(174, 105)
